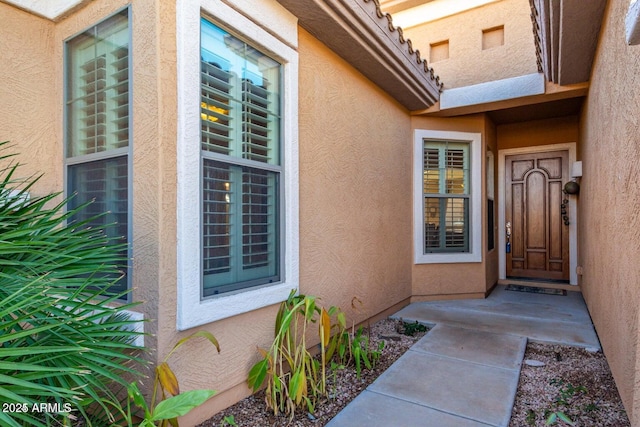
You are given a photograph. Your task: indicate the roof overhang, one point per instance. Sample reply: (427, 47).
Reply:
(52, 10)
(566, 34)
(359, 32)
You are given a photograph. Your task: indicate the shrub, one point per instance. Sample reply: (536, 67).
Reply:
(61, 341)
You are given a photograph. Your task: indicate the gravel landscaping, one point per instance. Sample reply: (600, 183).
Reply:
(571, 381)
(567, 380)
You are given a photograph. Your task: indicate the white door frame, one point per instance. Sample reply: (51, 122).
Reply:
(573, 215)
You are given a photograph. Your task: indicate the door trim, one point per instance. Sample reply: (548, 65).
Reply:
(573, 217)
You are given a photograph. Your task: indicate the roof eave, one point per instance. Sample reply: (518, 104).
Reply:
(566, 36)
(359, 32)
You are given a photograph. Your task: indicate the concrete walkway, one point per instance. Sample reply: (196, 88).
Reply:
(465, 371)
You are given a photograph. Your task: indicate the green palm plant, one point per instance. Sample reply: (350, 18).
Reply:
(62, 342)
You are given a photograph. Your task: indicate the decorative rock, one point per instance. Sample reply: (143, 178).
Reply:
(390, 337)
(534, 363)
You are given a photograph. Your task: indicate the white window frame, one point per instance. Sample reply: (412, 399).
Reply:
(192, 310)
(475, 204)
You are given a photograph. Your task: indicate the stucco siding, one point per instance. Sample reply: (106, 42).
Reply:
(355, 187)
(467, 62)
(538, 132)
(30, 96)
(608, 203)
(455, 280)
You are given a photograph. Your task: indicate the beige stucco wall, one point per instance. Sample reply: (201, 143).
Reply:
(538, 132)
(608, 202)
(458, 280)
(355, 186)
(467, 63)
(30, 96)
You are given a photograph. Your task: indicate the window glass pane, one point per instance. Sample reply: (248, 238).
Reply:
(240, 98)
(456, 213)
(446, 224)
(431, 171)
(240, 227)
(446, 168)
(432, 224)
(98, 88)
(104, 183)
(455, 171)
(217, 218)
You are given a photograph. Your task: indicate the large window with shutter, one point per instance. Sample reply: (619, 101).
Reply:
(97, 128)
(240, 163)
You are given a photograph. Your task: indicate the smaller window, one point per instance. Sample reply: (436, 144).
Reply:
(447, 197)
(492, 37)
(439, 51)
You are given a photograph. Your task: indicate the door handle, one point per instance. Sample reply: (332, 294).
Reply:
(509, 229)
(508, 232)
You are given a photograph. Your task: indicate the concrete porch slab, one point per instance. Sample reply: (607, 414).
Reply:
(544, 318)
(485, 348)
(372, 409)
(469, 390)
(465, 371)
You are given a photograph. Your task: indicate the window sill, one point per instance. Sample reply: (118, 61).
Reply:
(447, 258)
(193, 312)
(139, 317)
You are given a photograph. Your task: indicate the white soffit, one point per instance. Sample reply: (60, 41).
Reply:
(498, 90)
(50, 9)
(435, 10)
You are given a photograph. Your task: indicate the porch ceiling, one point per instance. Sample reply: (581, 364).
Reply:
(359, 32)
(547, 110)
(553, 101)
(566, 34)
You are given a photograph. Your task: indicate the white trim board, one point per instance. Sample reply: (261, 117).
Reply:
(573, 214)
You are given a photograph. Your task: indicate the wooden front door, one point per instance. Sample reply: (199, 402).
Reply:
(535, 206)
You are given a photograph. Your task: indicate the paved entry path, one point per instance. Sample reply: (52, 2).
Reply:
(465, 371)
